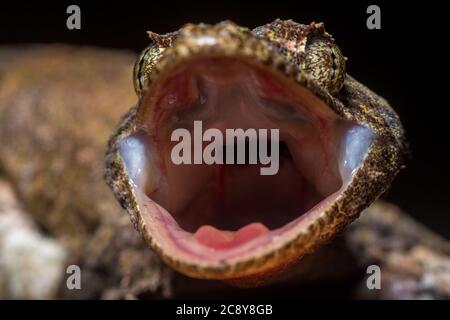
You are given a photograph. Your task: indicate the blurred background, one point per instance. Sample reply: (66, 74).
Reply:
(406, 62)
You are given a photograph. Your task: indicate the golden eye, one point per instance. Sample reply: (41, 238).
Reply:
(325, 63)
(144, 66)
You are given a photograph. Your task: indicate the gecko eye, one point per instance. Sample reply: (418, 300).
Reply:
(144, 66)
(325, 63)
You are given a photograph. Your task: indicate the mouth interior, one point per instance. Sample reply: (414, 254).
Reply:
(226, 206)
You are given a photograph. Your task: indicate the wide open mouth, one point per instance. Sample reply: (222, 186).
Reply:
(214, 212)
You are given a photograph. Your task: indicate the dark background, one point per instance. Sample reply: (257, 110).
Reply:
(407, 62)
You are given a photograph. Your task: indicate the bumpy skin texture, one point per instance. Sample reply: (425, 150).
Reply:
(283, 46)
(414, 262)
(55, 131)
(58, 105)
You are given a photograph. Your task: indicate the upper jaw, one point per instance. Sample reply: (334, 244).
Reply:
(224, 40)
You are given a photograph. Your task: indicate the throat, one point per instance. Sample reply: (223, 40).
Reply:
(234, 196)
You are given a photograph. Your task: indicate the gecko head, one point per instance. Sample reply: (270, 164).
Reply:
(218, 219)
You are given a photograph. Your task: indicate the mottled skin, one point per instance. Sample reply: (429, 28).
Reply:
(306, 55)
(58, 105)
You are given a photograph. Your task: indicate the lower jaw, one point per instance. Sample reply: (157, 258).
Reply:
(177, 245)
(189, 246)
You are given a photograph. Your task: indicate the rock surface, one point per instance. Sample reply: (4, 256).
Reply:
(31, 264)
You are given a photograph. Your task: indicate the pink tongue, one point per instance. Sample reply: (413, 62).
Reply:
(221, 240)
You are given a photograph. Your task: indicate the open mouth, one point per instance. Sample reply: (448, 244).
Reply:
(216, 213)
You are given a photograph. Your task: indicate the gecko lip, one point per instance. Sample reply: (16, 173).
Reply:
(214, 215)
